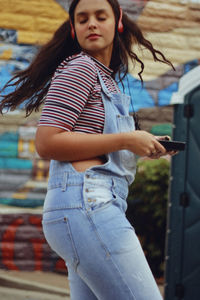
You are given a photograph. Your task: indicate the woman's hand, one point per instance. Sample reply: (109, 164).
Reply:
(143, 143)
(168, 138)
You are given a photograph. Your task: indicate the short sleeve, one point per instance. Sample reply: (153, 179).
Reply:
(68, 93)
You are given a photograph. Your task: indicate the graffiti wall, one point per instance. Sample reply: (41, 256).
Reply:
(24, 26)
(23, 246)
(172, 26)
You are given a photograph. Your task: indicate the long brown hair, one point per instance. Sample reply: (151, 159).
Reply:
(33, 83)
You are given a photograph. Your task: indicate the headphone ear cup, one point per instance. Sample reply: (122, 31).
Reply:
(120, 26)
(72, 31)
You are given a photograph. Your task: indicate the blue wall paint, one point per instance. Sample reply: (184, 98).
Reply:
(164, 96)
(21, 56)
(139, 95)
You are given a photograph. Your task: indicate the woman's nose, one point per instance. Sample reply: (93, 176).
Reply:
(92, 23)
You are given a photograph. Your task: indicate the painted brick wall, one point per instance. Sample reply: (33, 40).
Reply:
(23, 246)
(34, 20)
(23, 176)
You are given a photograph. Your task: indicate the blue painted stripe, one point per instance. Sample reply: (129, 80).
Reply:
(9, 136)
(15, 163)
(140, 97)
(30, 203)
(8, 149)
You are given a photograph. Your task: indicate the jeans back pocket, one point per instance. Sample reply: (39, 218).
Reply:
(58, 234)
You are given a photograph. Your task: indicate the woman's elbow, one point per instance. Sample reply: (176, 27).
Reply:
(41, 145)
(41, 149)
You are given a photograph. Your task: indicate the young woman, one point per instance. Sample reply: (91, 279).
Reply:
(86, 131)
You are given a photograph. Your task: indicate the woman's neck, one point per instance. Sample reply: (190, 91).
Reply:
(102, 57)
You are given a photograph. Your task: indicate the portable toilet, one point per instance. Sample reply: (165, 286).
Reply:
(182, 272)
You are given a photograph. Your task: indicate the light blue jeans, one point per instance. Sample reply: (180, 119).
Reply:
(84, 222)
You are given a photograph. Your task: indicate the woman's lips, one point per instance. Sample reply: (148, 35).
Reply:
(93, 36)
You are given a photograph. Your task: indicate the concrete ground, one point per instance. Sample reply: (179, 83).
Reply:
(22, 285)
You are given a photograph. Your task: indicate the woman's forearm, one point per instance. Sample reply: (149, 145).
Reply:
(71, 146)
(54, 143)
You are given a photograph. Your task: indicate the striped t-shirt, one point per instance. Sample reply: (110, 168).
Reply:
(74, 101)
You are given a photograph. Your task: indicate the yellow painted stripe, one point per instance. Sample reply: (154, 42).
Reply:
(20, 196)
(40, 170)
(31, 146)
(6, 54)
(33, 38)
(20, 146)
(40, 164)
(39, 175)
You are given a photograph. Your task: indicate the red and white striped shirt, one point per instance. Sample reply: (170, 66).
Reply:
(74, 101)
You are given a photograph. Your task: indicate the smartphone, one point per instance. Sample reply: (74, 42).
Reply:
(173, 145)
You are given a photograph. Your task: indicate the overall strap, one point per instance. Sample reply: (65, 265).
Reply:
(102, 83)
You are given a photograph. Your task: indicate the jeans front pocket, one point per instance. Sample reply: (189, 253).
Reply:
(98, 193)
(58, 234)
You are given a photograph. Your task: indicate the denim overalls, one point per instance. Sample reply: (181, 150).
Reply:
(84, 220)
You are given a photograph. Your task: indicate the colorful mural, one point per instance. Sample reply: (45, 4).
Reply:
(23, 246)
(132, 7)
(23, 175)
(21, 32)
(173, 28)
(176, 36)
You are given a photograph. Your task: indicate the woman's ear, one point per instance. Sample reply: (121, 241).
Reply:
(120, 26)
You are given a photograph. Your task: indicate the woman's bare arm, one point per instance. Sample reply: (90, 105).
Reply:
(55, 143)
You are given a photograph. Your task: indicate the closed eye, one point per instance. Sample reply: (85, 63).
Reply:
(83, 21)
(83, 17)
(101, 19)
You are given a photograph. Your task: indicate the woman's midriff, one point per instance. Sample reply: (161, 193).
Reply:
(83, 165)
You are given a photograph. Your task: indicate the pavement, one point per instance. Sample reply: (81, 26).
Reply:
(36, 285)
(23, 285)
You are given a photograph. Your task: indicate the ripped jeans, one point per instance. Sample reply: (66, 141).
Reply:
(84, 222)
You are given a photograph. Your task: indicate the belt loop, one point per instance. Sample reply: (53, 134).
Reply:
(64, 182)
(113, 183)
(113, 188)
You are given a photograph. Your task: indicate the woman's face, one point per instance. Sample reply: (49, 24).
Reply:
(94, 23)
